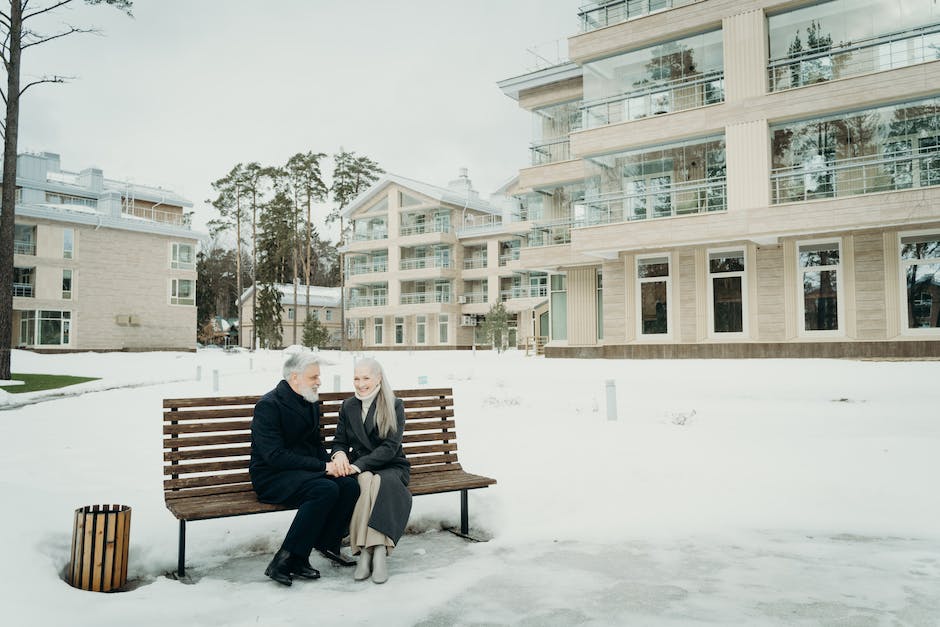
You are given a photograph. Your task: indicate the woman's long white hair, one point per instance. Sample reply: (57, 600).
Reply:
(385, 418)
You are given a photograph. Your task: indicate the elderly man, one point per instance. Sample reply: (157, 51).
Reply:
(289, 466)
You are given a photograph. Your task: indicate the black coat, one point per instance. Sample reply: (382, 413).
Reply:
(385, 457)
(286, 447)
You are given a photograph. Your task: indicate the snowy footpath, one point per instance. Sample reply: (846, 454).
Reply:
(752, 492)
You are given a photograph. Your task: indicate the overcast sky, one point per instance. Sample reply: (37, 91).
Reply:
(178, 94)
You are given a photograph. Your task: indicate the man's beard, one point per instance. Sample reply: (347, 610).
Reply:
(310, 394)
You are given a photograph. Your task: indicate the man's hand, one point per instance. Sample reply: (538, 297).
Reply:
(333, 470)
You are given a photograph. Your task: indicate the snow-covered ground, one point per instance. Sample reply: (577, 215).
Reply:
(759, 492)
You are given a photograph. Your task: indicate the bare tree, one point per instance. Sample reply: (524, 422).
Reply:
(17, 34)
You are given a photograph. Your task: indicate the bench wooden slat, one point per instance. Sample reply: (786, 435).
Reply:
(429, 448)
(233, 425)
(438, 436)
(428, 425)
(206, 440)
(417, 470)
(208, 480)
(208, 414)
(210, 491)
(207, 453)
(198, 467)
(215, 401)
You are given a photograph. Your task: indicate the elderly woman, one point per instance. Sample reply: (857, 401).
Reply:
(368, 444)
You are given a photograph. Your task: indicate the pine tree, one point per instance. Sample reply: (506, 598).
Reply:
(495, 327)
(268, 316)
(315, 334)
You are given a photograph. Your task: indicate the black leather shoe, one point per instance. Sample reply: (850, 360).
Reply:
(336, 557)
(279, 568)
(301, 567)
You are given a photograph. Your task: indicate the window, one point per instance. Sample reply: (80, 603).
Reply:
(653, 285)
(24, 239)
(290, 313)
(378, 323)
(819, 265)
(920, 280)
(182, 256)
(182, 292)
(408, 200)
(68, 243)
(314, 314)
(559, 306)
(399, 330)
(55, 198)
(442, 328)
(66, 284)
(54, 327)
(329, 315)
(726, 289)
(23, 282)
(600, 305)
(421, 324)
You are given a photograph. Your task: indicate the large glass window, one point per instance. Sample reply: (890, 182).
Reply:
(675, 179)
(56, 198)
(840, 38)
(24, 239)
(600, 305)
(68, 243)
(377, 328)
(819, 268)
(399, 330)
(550, 129)
(182, 292)
(421, 326)
(653, 295)
(874, 150)
(559, 306)
(370, 228)
(182, 255)
(920, 276)
(726, 290)
(54, 327)
(670, 76)
(66, 284)
(443, 323)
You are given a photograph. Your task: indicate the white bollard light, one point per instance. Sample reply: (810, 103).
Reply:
(611, 400)
(215, 380)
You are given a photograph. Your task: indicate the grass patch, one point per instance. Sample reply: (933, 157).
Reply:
(36, 382)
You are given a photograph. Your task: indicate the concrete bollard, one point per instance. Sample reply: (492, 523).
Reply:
(215, 380)
(251, 363)
(336, 383)
(198, 373)
(611, 400)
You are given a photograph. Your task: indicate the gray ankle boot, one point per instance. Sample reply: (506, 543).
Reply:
(379, 565)
(364, 567)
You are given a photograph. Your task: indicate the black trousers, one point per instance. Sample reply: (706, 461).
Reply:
(324, 507)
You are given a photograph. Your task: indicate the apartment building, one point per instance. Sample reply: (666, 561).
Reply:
(324, 304)
(100, 264)
(739, 178)
(424, 264)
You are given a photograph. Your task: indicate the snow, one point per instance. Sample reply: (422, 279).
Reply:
(753, 492)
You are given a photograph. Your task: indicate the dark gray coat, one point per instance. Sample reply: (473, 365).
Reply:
(384, 456)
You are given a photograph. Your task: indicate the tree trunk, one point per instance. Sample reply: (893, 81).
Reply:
(254, 268)
(8, 207)
(294, 254)
(342, 289)
(238, 262)
(309, 260)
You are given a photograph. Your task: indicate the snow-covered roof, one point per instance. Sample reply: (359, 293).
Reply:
(440, 194)
(319, 296)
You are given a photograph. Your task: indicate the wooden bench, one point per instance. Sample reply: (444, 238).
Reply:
(207, 445)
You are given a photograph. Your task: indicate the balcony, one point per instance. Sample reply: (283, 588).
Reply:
(654, 201)
(420, 298)
(370, 236)
(524, 292)
(911, 168)
(23, 290)
(359, 302)
(418, 263)
(655, 99)
(884, 52)
(505, 258)
(474, 298)
(474, 263)
(421, 229)
(24, 247)
(480, 224)
(176, 218)
(367, 268)
(600, 14)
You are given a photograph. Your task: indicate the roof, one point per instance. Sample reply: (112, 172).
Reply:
(319, 296)
(440, 194)
(512, 87)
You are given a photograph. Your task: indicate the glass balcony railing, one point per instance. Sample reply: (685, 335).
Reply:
(908, 169)
(417, 263)
(176, 218)
(664, 201)
(23, 290)
(505, 258)
(26, 247)
(655, 99)
(600, 14)
(884, 52)
(419, 298)
(474, 298)
(420, 229)
(524, 292)
(480, 224)
(551, 151)
(366, 268)
(369, 236)
(473, 263)
(357, 302)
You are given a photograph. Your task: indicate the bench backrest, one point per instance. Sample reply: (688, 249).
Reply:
(207, 441)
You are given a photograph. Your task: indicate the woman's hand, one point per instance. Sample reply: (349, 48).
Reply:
(341, 464)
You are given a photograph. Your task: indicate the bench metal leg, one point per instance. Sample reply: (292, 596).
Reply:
(464, 515)
(181, 563)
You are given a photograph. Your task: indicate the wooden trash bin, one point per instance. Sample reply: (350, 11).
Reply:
(100, 539)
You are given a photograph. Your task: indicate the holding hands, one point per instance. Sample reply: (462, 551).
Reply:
(340, 466)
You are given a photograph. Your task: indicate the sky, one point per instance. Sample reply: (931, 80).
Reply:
(185, 89)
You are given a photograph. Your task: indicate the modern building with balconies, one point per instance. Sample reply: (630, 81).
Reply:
(100, 264)
(738, 178)
(424, 264)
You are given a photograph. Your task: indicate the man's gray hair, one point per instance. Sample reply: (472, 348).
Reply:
(299, 362)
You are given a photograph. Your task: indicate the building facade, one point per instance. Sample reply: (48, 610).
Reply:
(424, 264)
(736, 178)
(100, 264)
(324, 305)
